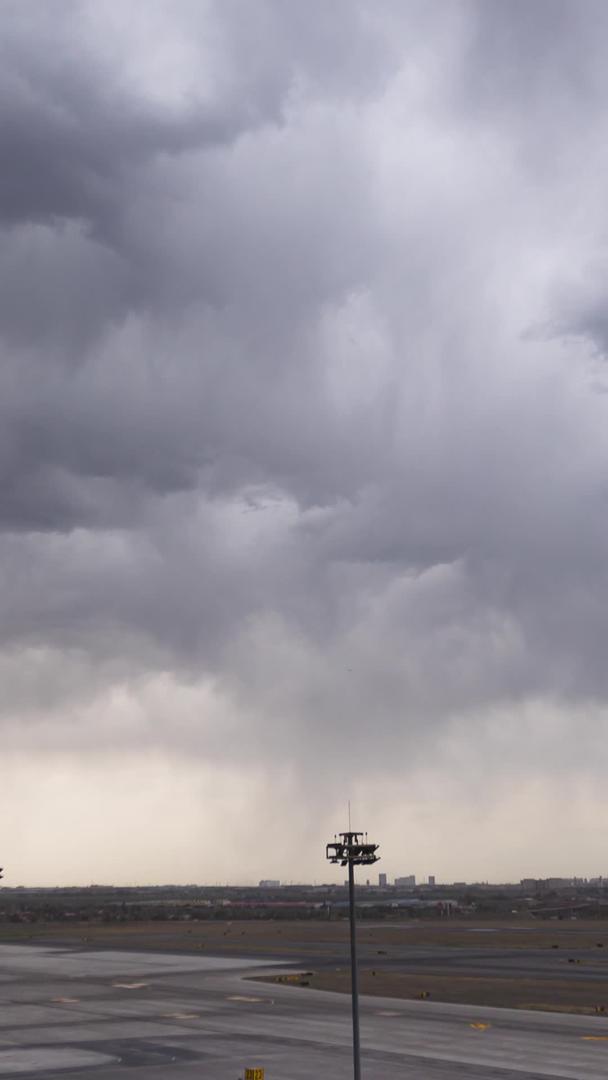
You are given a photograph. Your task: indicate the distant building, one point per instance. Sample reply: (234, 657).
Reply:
(432, 881)
(407, 882)
(269, 883)
(382, 881)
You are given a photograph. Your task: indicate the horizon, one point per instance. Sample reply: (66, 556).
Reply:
(361, 881)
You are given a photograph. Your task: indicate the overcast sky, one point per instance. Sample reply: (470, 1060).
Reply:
(303, 437)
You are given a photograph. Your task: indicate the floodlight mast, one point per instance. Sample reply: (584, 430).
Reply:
(353, 850)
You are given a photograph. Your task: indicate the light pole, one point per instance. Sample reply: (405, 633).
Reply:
(353, 850)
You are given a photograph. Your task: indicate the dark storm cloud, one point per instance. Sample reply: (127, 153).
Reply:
(274, 407)
(542, 56)
(74, 133)
(123, 263)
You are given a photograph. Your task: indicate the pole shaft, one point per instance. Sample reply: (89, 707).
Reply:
(353, 972)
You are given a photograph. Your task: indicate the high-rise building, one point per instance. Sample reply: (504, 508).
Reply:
(382, 881)
(432, 881)
(407, 882)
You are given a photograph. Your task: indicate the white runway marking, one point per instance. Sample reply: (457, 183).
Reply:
(243, 997)
(33, 1060)
(130, 986)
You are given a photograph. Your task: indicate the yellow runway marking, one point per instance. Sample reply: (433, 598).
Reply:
(595, 1038)
(480, 1027)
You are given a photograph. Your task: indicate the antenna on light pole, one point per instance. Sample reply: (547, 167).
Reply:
(353, 850)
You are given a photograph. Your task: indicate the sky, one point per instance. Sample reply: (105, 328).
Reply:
(303, 438)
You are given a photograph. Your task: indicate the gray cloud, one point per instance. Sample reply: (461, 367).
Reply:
(301, 322)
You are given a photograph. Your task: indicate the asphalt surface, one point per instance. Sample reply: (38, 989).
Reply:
(128, 1016)
(571, 964)
(566, 962)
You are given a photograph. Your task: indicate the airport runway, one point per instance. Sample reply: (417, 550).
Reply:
(541, 963)
(128, 1016)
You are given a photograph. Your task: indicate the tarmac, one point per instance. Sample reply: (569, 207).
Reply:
(117, 1015)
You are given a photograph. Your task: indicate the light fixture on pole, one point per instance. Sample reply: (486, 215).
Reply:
(353, 849)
